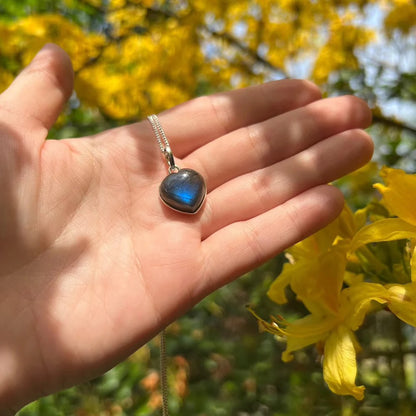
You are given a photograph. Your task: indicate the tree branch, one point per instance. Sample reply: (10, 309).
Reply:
(231, 40)
(391, 122)
(227, 37)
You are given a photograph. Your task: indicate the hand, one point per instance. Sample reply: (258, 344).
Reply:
(92, 264)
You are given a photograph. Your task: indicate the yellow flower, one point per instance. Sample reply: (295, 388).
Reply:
(402, 17)
(339, 51)
(36, 30)
(316, 270)
(317, 273)
(399, 194)
(335, 330)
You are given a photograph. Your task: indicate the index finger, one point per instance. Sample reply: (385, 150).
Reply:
(199, 121)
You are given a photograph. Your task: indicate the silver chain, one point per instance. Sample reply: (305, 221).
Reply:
(163, 142)
(164, 374)
(159, 132)
(165, 149)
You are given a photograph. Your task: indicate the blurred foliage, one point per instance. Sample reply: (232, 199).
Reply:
(135, 57)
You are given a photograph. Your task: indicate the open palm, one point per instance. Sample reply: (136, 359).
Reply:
(92, 264)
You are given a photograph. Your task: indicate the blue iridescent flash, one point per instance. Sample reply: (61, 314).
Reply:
(183, 191)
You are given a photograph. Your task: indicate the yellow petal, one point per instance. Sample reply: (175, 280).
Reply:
(342, 227)
(340, 365)
(413, 264)
(322, 280)
(383, 230)
(399, 193)
(300, 333)
(316, 280)
(317, 268)
(347, 223)
(402, 302)
(276, 291)
(360, 217)
(317, 308)
(306, 331)
(352, 278)
(358, 300)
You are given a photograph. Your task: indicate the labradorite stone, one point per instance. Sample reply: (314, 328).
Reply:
(183, 191)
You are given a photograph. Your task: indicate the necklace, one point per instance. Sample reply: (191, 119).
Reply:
(183, 190)
(164, 387)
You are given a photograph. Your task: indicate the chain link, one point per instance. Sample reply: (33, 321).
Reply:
(163, 142)
(164, 374)
(159, 133)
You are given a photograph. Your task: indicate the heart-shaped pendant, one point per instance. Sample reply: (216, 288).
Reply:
(183, 191)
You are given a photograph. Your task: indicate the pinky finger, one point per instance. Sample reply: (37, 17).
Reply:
(241, 246)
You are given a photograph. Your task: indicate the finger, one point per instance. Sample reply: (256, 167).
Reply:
(257, 192)
(38, 94)
(241, 246)
(190, 125)
(267, 142)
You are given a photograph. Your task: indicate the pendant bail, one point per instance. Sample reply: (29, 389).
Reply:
(170, 159)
